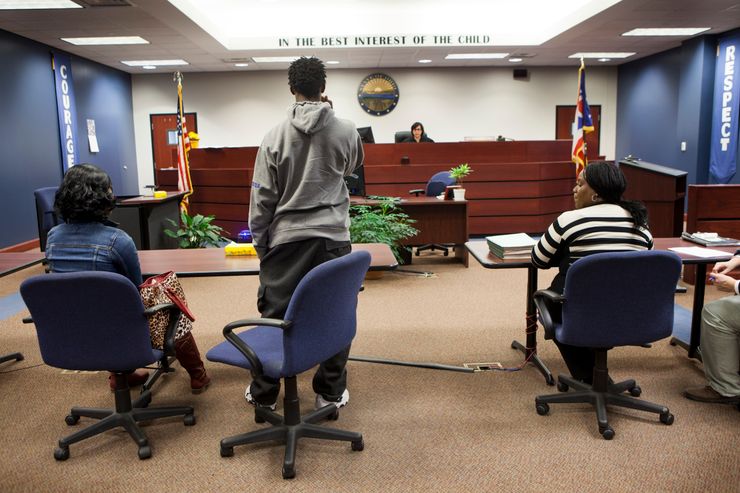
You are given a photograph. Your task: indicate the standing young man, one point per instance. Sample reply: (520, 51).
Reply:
(299, 212)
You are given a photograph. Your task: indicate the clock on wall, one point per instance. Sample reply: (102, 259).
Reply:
(378, 94)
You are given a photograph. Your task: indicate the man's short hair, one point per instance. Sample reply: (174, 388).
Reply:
(307, 76)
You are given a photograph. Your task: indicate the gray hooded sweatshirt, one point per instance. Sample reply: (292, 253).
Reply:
(298, 189)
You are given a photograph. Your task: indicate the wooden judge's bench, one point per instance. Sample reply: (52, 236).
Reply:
(515, 186)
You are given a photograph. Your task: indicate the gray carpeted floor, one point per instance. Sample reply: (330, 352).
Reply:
(424, 430)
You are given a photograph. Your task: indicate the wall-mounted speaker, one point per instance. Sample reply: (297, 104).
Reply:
(521, 73)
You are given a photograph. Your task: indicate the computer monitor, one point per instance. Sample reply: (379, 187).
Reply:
(356, 182)
(366, 135)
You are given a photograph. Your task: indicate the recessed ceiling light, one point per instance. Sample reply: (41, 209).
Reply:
(274, 59)
(605, 59)
(107, 40)
(148, 67)
(332, 62)
(38, 4)
(425, 60)
(601, 55)
(515, 60)
(241, 64)
(666, 31)
(475, 56)
(141, 63)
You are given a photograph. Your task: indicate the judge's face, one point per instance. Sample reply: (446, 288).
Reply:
(417, 132)
(583, 194)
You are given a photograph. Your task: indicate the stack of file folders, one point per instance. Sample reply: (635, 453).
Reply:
(512, 246)
(710, 239)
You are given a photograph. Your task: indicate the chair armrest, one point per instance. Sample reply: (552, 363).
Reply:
(242, 347)
(169, 335)
(544, 300)
(27, 320)
(416, 191)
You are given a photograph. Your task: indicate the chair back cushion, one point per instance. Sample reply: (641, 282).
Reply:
(46, 218)
(89, 321)
(323, 310)
(619, 299)
(438, 183)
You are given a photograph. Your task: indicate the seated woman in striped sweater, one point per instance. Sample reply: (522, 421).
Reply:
(602, 221)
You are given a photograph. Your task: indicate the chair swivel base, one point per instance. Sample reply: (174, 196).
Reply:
(290, 428)
(433, 246)
(600, 395)
(124, 415)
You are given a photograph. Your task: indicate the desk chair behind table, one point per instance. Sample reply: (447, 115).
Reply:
(436, 185)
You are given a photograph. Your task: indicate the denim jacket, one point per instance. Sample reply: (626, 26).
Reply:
(73, 247)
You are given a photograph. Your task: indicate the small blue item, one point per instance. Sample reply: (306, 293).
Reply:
(245, 236)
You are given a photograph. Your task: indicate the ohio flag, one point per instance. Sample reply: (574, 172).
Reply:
(582, 123)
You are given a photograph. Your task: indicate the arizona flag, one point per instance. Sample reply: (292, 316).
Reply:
(183, 148)
(582, 123)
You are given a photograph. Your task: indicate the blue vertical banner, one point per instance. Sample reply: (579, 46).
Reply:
(723, 149)
(62, 66)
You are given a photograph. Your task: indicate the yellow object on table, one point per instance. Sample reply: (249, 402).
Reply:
(160, 194)
(246, 249)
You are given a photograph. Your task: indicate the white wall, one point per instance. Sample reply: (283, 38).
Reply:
(236, 109)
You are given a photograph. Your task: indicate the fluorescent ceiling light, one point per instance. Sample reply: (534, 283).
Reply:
(333, 62)
(475, 56)
(605, 59)
(107, 40)
(348, 24)
(601, 55)
(666, 31)
(148, 67)
(274, 59)
(241, 65)
(38, 4)
(515, 60)
(141, 63)
(425, 60)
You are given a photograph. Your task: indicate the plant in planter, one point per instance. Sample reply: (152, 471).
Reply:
(382, 223)
(458, 173)
(196, 231)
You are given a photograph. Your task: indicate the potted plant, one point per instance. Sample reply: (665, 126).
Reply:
(196, 231)
(458, 173)
(382, 223)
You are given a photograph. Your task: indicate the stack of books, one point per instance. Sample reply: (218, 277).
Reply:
(512, 246)
(709, 239)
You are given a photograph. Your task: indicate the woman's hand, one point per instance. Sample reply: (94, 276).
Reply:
(725, 267)
(723, 282)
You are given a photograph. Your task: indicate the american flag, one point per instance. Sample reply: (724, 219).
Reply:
(183, 148)
(582, 123)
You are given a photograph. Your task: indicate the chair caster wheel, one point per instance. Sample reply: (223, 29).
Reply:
(447, 253)
(333, 416)
(288, 472)
(259, 419)
(563, 387)
(542, 408)
(227, 451)
(61, 453)
(417, 253)
(145, 451)
(189, 419)
(358, 445)
(635, 391)
(71, 419)
(607, 433)
(145, 401)
(666, 418)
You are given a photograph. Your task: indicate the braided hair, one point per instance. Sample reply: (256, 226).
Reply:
(607, 180)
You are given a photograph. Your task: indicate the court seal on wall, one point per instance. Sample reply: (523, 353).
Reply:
(378, 94)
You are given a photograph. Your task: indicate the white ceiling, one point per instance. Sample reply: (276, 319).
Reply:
(173, 35)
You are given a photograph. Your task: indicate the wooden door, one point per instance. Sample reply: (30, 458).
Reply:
(564, 128)
(164, 147)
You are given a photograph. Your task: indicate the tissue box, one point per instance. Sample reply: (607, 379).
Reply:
(160, 194)
(240, 249)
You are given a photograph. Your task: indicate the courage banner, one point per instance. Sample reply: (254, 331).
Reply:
(723, 148)
(62, 66)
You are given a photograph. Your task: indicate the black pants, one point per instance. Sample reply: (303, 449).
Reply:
(281, 269)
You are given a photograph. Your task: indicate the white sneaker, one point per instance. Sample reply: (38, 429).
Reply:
(250, 399)
(321, 402)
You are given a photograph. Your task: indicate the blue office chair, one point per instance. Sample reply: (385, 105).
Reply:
(46, 218)
(436, 185)
(319, 323)
(610, 299)
(96, 321)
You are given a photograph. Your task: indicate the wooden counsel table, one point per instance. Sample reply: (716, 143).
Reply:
(14, 261)
(204, 262)
(146, 218)
(438, 221)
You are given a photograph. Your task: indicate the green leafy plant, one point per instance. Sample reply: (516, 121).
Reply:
(196, 231)
(460, 172)
(381, 223)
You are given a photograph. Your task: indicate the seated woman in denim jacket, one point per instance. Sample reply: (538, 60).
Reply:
(87, 240)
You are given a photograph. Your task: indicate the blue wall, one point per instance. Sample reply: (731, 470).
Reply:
(30, 156)
(664, 100)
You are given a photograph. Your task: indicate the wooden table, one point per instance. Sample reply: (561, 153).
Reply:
(14, 261)
(206, 262)
(146, 218)
(438, 221)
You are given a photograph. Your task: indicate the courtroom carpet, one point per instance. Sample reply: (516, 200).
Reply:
(424, 430)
